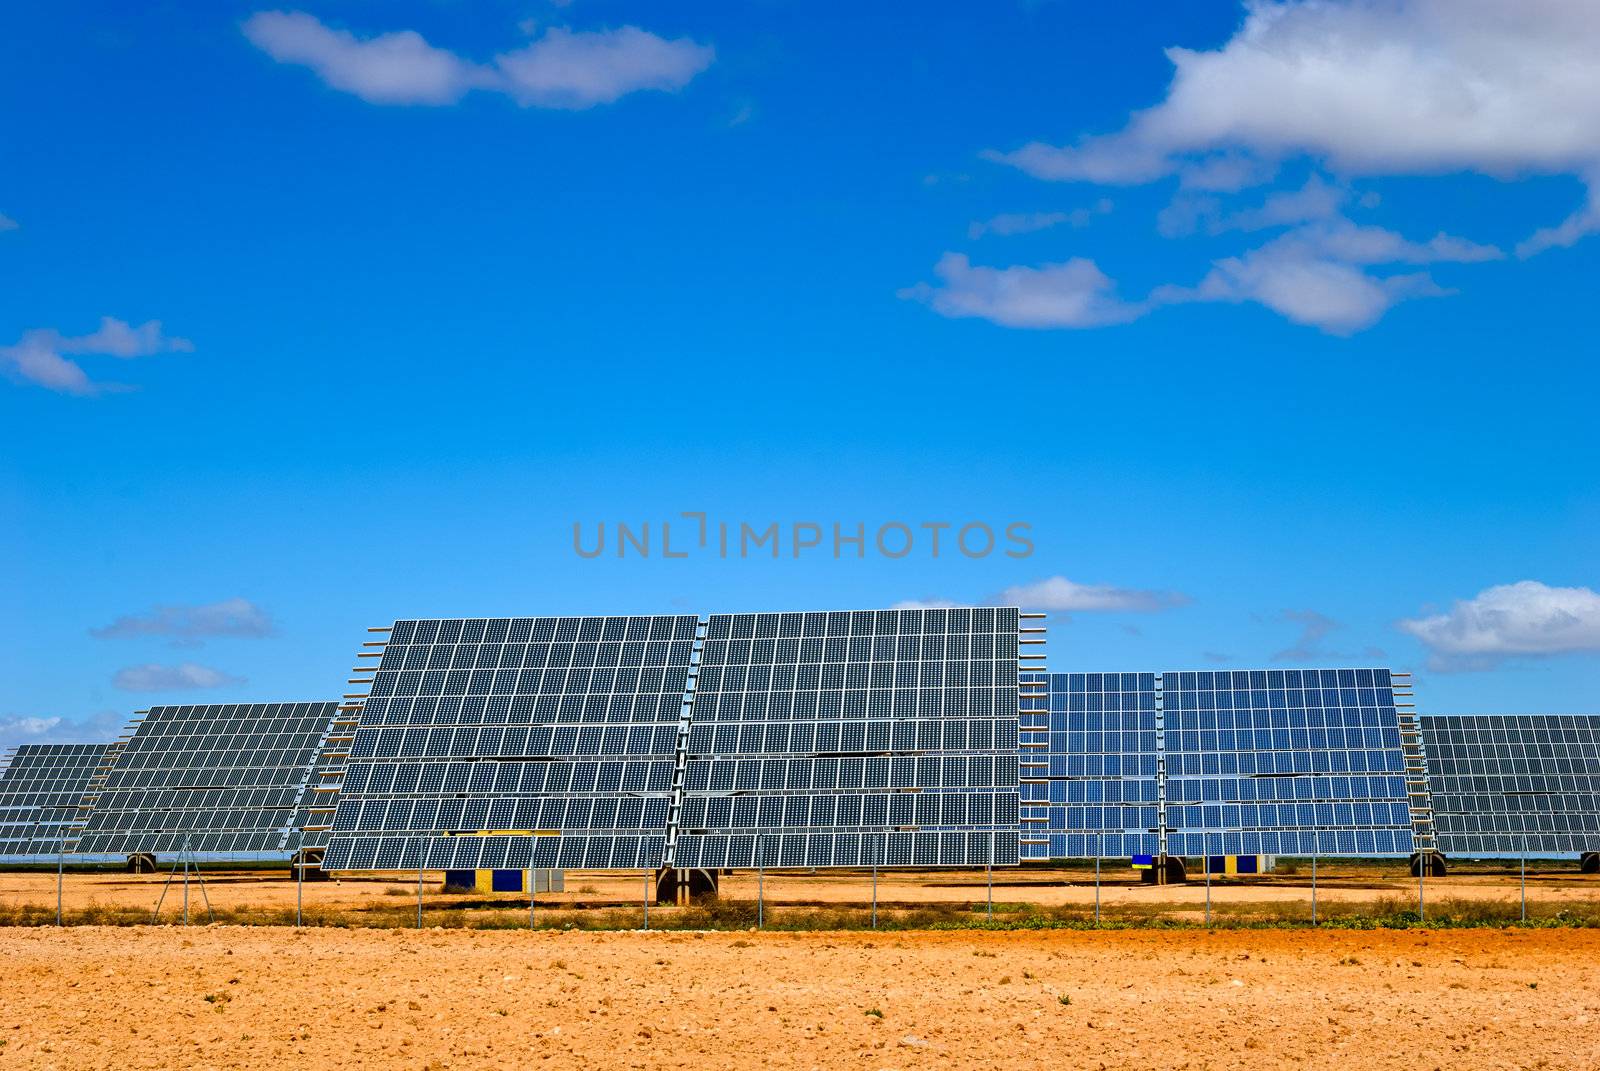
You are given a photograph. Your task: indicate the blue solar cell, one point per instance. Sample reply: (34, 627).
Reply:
(1239, 746)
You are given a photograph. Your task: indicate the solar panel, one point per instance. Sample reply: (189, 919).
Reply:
(853, 738)
(1284, 762)
(1093, 790)
(1514, 784)
(549, 742)
(41, 791)
(227, 781)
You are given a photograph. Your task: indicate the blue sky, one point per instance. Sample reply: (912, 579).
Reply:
(1280, 343)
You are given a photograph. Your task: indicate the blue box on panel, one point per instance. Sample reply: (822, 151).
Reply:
(507, 881)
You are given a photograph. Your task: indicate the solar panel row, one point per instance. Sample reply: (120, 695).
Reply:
(1514, 785)
(1219, 762)
(650, 741)
(898, 738)
(559, 733)
(41, 793)
(219, 780)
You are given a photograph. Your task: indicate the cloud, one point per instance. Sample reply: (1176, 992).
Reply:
(1074, 293)
(1314, 628)
(1010, 223)
(42, 355)
(1318, 199)
(1061, 595)
(1317, 274)
(7, 223)
(579, 70)
(560, 69)
(1369, 87)
(27, 727)
(152, 677)
(230, 617)
(31, 729)
(1526, 618)
(1583, 222)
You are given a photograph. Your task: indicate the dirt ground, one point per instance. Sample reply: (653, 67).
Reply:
(243, 997)
(1550, 886)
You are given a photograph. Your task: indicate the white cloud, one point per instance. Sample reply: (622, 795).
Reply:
(1316, 200)
(1527, 618)
(579, 70)
(7, 223)
(1370, 87)
(1010, 223)
(1074, 293)
(561, 69)
(1059, 594)
(42, 355)
(1583, 222)
(152, 677)
(230, 617)
(31, 729)
(26, 727)
(1317, 274)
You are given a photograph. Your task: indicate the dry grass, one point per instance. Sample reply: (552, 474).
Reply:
(732, 915)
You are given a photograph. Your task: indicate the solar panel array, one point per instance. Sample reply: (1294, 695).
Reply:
(1094, 790)
(217, 780)
(1284, 762)
(740, 740)
(517, 742)
(41, 792)
(1269, 762)
(1514, 784)
(853, 738)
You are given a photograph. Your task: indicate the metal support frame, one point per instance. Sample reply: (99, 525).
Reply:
(187, 861)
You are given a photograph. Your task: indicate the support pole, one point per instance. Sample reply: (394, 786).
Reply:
(61, 865)
(300, 888)
(988, 874)
(1207, 863)
(875, 885)
(1422, 899)
(1099, 850)
(761, 886)
(1315, 847)
(647, 899)
(1523, 870)
(533, 893)
(211, 916)
(186, 881)
(420, 863)
(166, 886)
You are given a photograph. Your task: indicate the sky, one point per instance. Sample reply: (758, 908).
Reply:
(1227, 336)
